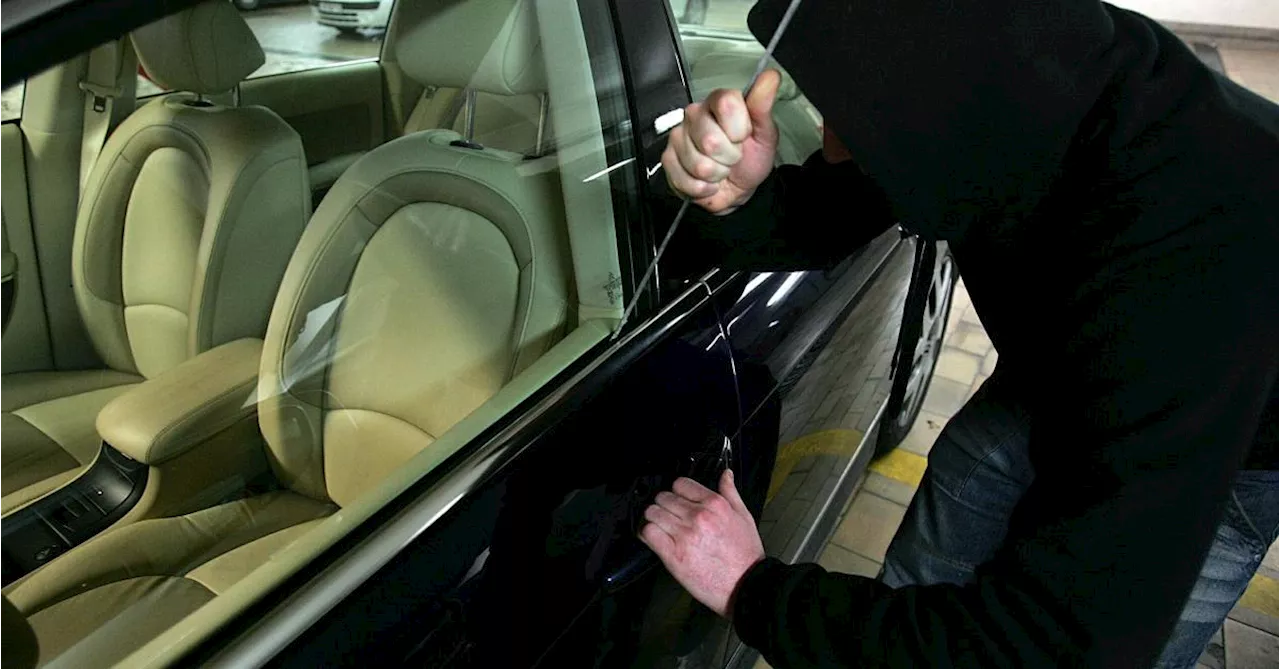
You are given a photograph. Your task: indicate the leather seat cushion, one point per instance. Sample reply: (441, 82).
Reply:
(48, 426)
(134, 582)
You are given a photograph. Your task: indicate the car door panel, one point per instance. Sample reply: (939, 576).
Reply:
(820, 415)
(541, 565)
(337, 110)
(26, 332)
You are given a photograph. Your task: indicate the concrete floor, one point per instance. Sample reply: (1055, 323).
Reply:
(1248, 639)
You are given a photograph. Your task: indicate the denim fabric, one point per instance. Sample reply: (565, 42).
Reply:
(979, 469)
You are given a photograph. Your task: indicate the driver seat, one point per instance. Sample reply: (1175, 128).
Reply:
(184, 229)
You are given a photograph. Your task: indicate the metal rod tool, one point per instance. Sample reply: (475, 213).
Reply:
(684, 206)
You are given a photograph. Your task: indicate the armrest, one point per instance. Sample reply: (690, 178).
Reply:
(169, 413)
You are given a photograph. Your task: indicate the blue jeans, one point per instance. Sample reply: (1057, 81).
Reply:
(979, 469)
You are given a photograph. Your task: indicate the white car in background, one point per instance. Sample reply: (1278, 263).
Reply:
(348, 16)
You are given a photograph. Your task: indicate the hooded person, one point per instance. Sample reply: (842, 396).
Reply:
(1111, 204)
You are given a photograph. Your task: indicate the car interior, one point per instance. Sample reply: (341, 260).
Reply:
(264, 306)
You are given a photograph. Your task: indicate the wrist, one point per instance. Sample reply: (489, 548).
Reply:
(737, 203)
(738, 587)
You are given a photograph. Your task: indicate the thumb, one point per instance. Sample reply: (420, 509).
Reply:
(762, 95)
(730, 492)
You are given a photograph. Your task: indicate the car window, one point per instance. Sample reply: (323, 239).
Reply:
(720, 52)
(267, 379)
(11, 102)
(297, 36)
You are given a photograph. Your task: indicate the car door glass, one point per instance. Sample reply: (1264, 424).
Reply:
(720, 52)
(441, 284)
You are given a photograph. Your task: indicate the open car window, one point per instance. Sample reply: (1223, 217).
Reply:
(265, 378)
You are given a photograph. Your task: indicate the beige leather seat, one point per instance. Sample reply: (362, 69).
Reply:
(428, 277)
(187, 222)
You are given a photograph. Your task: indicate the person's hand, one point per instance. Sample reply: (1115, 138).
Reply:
(724, 148)
(707, 541)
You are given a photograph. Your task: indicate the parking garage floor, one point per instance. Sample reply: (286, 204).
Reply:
(1248, 639)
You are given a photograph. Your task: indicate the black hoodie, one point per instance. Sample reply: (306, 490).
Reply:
(1112, 206)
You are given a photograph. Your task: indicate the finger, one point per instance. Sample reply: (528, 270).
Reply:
(697, 164)
(664, 519)
(678, 506)
(657, 539)
(709, 139)
(730, 492)
(691, 490)
(681, 181)
(762, 95)
(730, 112)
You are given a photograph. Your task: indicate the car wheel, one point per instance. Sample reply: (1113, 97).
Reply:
(914, 365)
(247, 5)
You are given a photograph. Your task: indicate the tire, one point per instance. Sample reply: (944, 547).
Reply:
(247, 5)
(914, 364)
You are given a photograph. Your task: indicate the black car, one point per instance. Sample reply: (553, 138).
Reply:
(405, 428)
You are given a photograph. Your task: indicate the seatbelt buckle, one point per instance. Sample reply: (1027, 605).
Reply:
(101, 94)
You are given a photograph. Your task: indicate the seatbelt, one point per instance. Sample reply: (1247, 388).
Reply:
(109, 84)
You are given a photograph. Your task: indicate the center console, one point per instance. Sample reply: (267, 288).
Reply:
(69, 516)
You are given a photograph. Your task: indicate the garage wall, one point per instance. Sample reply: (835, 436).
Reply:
(1246, 13)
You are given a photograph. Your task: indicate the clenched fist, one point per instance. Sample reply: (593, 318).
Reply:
(724, 148)
(706, 540)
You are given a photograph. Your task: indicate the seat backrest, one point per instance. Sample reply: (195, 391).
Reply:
(430, 275)
(192, 209)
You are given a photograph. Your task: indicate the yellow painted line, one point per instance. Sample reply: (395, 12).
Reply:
(900, 465)
(1261, 595)
(838, 442)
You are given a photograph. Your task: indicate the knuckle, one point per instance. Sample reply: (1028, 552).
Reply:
(710, 144)
(704, 168)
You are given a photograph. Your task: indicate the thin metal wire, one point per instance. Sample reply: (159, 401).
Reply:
(684, 206)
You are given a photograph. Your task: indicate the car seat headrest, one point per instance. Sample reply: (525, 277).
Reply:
(205, 49)
(491, 46)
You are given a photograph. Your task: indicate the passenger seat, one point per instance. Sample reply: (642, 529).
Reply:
(185, 227)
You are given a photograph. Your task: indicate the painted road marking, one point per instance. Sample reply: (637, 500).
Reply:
(902, 466)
